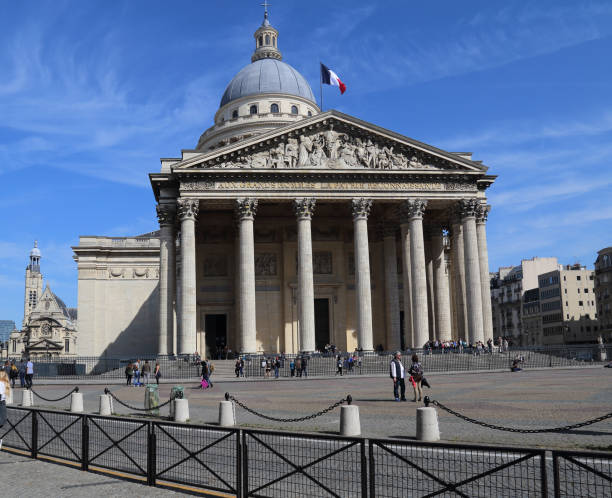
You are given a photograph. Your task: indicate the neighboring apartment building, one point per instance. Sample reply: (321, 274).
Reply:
(6, 327)
(567, 306)
(508, 286)
(531, 317)
(603, 292)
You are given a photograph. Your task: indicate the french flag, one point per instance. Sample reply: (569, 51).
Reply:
(330, 78)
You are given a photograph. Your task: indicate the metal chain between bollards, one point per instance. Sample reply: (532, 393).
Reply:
(347, 400)
(514, 429)
(75, 390)
(131, 407)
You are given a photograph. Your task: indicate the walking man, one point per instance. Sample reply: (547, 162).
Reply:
(398, 374)
(29, 373)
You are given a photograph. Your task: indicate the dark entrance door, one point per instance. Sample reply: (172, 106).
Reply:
(321, 323)
(215, 327)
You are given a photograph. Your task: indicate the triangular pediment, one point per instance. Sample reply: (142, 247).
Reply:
(47, 304)
(330, 141)
(44, 344)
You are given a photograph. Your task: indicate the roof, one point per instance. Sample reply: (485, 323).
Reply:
(267, 76)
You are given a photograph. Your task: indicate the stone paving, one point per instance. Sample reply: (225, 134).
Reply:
(528, 399)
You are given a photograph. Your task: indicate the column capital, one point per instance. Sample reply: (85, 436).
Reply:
(482, 212)
(246, 208)
(166, 214)
(304, 207)
(361, 208)
(467, 208)
(188, 208)
(412, 208)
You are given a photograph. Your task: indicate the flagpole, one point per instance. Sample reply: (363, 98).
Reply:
(321, 87)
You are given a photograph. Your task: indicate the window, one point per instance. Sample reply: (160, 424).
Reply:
(580, 303)
(260, 41)
(14, 345)
(564, 279)
(577, 277)
(294, 109)
(586, 291)
(253, 109)
(274, 40)
(267, 39)
(234, 113)
(274, 108)
(565, 290)
(578, 290)
(309, 113)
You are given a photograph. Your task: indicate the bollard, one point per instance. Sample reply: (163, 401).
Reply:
(27, 398)
(227, 417)
(349, 421)
(76, 402)
(9, 396)
(427, 424)
(181, 409)
(106, 405)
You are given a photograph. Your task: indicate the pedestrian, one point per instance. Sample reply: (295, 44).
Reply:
(137, 373)
(205, 374)
(129, 372)
(416, 374)
(29, 373)
(298, 366)
(241, 367)
(22, 372)
(292, 367)
(304, 371)
(339, 365)
(398, 374)
(276, 365)
(5, 389)
(157, 372)
(237, 368)
(13, 374)
(146, 372)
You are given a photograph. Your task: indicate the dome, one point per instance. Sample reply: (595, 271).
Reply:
(35, 250)
(267, 76)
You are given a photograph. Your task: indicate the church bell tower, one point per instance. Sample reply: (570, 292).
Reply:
(33, 283)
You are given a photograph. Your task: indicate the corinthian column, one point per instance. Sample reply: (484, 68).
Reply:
(361, 211)
(483, 259)
(245, 213)
(473, 286)
(167, 268)
(441, 293)
(413, 210)
(458, 276)
(406, 282)
(304, 209)
(188, 212)
(391, 294)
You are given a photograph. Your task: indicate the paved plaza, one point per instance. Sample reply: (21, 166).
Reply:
(529, 399)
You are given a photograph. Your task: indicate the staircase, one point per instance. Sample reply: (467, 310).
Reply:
(224, 369)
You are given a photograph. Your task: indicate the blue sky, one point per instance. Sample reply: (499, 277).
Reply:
(93, 93)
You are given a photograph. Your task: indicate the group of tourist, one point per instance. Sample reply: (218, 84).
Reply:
(461, 346)
(347, 363)
(141, 373)
(416, 377)
(24, 372)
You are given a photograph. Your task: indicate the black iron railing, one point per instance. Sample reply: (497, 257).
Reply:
(260, 463)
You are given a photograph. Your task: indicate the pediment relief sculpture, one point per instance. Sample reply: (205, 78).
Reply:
(330, 149)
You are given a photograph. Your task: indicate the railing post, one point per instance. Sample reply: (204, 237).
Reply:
(364, 470)
(372, 470)
(151, 455)
(34, 435)
(239, 490)
(245, 465)
(85, 443)
(543, 474)
(555, 457)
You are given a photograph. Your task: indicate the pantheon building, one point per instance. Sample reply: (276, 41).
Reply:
(287, 229)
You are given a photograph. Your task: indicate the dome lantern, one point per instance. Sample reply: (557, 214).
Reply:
(266, 39)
